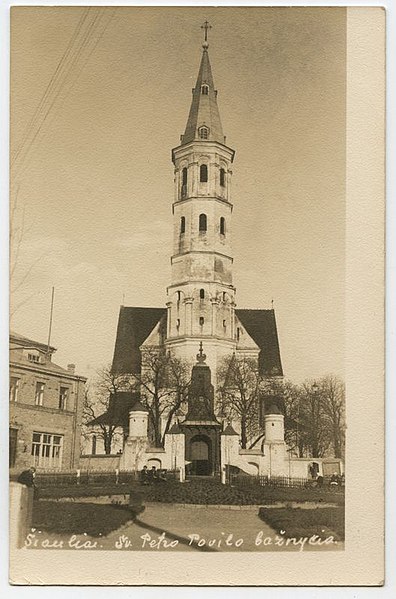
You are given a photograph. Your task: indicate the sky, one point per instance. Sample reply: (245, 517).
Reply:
(93, 184)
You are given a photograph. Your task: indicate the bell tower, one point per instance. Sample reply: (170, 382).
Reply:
(201, 296)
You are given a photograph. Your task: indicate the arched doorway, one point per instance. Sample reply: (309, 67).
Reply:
(200, 455)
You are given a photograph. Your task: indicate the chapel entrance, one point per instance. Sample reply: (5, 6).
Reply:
(200, 456)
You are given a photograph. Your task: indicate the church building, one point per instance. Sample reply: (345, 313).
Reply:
(201, 314)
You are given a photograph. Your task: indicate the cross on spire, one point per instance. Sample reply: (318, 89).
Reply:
(201, 357)
(206, 26)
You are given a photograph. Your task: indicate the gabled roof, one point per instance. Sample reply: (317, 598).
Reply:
(229, 430)
(134, 326)
(204, 109)
(261, 326)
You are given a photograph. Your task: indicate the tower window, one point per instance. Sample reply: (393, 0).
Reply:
(224, 296)
(178, 323)
(201, 321)
(222, 177)
(178, 296)
(202, 294)
(222, 225)
(203, 173)
(203, 132)
(184, 183)
(182, 224)
(205, 90)
(224, 324)
(203, 225)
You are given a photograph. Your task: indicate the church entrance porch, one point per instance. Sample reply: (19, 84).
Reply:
(200, 454)
(202, 451)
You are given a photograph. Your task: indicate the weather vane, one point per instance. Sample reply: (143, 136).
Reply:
(206, 26)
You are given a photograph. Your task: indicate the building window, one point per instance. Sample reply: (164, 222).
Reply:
(222, 225)
(222, 177)
(201, 321)
(39, 395)
(63, 398)
(203, 223)
(203, 173)
(14, 386)
(182, 225)
(205, 90)
(47, 450)
(93, 452)
(202, 294)
(203, 132)
(34, 358)
(184, 183)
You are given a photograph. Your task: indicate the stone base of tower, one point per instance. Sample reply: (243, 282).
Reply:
(215, 349)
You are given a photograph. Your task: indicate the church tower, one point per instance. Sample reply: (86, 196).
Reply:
(201, 296)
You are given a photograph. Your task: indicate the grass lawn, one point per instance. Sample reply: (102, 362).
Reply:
(212, 492)
(77, 518)
(299, 522)
(208, 492)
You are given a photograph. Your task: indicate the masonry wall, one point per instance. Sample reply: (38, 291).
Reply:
(27, 418)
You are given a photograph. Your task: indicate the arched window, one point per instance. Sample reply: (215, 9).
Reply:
(224, 296)
(201, 321)
(222, 225)
(178, 296)
(203, 173)
(224, 324)
(203, 132)
(202, 294)
(178, 324)
(222, 177)
(205, 90)
(203, 222)
(182, 224)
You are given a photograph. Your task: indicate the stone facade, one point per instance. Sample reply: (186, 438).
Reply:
(46, 404)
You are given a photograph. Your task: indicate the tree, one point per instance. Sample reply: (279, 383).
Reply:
(106, 384)
(333, 392)
(163, 383)
(239, 393)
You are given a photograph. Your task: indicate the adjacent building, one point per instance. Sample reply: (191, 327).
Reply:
(46, 403)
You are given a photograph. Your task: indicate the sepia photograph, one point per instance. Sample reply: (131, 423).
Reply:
(178, 284)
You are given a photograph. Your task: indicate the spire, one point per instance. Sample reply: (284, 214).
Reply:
(204, 112)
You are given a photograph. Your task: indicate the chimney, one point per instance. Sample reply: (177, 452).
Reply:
(71, 368)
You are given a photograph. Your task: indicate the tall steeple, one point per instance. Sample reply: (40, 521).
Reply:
(201, 295)
(204, 112)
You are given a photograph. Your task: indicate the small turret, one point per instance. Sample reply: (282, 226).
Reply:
(138, 420)
(274, 425)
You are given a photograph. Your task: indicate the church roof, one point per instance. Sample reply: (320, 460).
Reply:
(229, 430)
(136, 324)
(204, 109)
(120, 404)
(175, 429)
(261, 326)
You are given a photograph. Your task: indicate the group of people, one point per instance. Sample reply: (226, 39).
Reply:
(148, 477)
